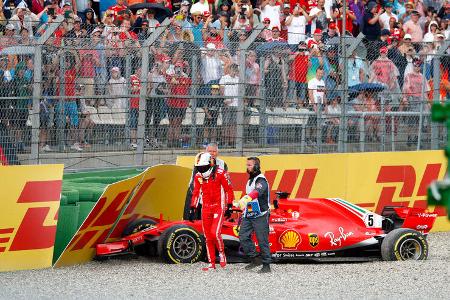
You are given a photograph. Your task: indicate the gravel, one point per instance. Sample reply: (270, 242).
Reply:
(145, 278)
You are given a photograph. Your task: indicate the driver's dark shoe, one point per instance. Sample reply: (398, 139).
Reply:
(255, 262)
(265, 269)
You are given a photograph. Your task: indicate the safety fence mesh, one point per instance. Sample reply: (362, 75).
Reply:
(108, 92)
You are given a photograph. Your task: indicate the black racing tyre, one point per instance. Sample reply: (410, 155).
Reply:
(404, 244)
(148, 248)
(181, 244)
(138, 225)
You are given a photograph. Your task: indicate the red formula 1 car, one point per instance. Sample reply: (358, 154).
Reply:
(316, 229)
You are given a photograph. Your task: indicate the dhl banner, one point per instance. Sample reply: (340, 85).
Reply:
(162, 191)
(30, 202)
(371, 180)
(99, 222)
(159, 189)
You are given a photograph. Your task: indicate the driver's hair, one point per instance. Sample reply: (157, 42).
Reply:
(213, 145)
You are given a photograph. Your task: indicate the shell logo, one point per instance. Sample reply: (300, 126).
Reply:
(290, 239)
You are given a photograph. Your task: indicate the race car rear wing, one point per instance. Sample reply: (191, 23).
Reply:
(408, 217)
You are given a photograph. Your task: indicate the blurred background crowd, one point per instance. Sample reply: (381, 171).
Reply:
(93, 60)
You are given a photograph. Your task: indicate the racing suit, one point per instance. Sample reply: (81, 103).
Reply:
(213, 209)
(220, 163)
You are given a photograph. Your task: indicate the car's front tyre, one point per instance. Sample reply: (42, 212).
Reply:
(181, 244)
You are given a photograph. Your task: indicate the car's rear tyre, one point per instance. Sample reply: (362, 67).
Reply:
(148, 248)
(181, 244)
(404, 244)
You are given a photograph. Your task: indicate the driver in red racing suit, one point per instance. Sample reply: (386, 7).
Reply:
(209, 180)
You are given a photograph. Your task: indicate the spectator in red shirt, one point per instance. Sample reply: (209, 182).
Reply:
(120, 5)
(179, 85)
(297, 75)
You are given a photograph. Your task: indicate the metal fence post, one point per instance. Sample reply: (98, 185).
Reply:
(240, 113)
(37, 91)
(436, 90)
(422, 99)
(62, 92)
(145, 50)
(194, 89)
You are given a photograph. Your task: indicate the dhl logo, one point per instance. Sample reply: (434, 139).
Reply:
(37, 226)
(300, 182)
(97, 227)
(407, 176)
(297, 182)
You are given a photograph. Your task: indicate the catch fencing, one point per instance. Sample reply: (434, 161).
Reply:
(108, 94)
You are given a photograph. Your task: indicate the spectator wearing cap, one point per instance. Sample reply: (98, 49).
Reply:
(200, 7)
(383, 70)
(414, 28)
(372, 27)
(276, 35)
(144, 31)
(387, 15)
(296, 25)
(409, 7)
(332, 32)
(318, 16)
(270, 9)
(212, 68)
(297, 84)
(197, 28)
(316, 40)
(286, 11)
(266, 33)
(412, 101)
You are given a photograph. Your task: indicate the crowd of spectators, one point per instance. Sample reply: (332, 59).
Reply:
(294, 60)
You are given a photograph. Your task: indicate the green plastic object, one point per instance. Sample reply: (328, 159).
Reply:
(439, 191)
(66, 228)
(85, 209)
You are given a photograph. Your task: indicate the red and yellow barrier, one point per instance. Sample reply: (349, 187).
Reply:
(159, 189)
(30, 201)
(371, 180)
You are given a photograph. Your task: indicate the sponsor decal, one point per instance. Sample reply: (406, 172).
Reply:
(422, 227)
(236, 230)
(200, 180)
(295, 215)
(427, 215)
(290, 239)
(336, 240)
(313, 239)
(258, 186)
(279, 220)
(302, 254)
(271, 230)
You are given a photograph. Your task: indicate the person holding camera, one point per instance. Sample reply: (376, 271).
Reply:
(255, 217)
(296, 25)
